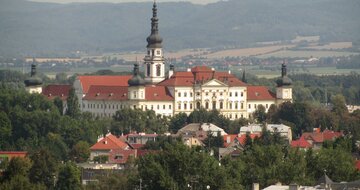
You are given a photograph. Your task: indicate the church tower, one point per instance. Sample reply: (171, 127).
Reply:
(33, 84)
(284, 87)
(154, 59)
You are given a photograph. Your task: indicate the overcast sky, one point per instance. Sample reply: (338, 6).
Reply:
(122, 1)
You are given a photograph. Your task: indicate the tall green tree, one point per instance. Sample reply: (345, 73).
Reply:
(339, 105)
(72, 102)
(44, 168)
(5, 130)
(80, 152)
(177, 122)
(69, 177)
(260, 114)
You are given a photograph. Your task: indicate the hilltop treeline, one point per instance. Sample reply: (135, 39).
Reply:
(43, 29)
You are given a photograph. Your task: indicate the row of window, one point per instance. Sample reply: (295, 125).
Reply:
(113, 106)
(213, 94)
(213, 105)
(255, 106)
(104, 106)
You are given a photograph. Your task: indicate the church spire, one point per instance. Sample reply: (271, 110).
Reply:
(154, 40)
(283, 69)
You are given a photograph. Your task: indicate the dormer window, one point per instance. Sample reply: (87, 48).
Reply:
(158, 52)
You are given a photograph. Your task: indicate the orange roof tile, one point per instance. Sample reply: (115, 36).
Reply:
(316, 137)
(201, 74)
(259, 93)
(121, 156)
(103, 80)
(57, 90)
(228, 139)
(242, 138)
(357, 164)
(331, 135)
(109, 142)
(301, 143)
(107, 93)
(157, 93)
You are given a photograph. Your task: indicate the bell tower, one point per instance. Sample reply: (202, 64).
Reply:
(284, 87)
(154, 59)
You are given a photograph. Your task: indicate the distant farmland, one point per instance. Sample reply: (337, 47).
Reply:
(306, 54)
(247, 51)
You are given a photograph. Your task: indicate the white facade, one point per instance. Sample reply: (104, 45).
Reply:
(154, 66)
(34, 89)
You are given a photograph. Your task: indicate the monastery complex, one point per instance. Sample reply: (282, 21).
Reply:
(171, 92)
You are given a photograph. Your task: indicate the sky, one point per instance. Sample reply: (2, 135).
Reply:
(122, 1)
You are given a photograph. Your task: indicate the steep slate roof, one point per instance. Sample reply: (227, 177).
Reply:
(109, 142)
(57, 90)
(103, 80)
(301, 143)
(259, 93)
(97, 92)
(201, 74)
(157, 93)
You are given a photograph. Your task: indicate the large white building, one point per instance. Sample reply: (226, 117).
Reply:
(175, 91)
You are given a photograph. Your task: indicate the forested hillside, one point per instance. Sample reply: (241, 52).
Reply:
(43, 29)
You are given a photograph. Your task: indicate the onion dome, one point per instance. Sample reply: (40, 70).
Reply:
(136, 80)
(284, 80)
(33, 80)
(154, 40)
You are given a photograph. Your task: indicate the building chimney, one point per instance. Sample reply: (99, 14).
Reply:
(255, 186)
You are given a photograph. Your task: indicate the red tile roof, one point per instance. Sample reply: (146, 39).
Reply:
(120, 156)
(357, 164)
(105, 80)
(231, 139)
(107, 93)
(57, 90)
(201, 74)
(331, 135)
(109, 142)
(316, 137)
(242, 138)
(13, 154)
(259, 93)
(157, 93)
(301, 143)
(136, 146)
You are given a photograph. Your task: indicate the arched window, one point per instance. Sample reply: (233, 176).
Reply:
(197, 105)
(158, 70)
(214, 105)
(148, 69)
(206, 105)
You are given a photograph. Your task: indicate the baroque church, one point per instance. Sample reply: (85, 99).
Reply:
(172, 92)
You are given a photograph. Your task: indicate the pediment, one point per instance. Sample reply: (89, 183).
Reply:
(214, 82)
